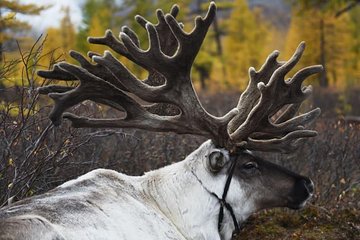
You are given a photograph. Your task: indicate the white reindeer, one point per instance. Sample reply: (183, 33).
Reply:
(207, 195)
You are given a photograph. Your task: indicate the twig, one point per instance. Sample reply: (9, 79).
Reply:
(347, 8)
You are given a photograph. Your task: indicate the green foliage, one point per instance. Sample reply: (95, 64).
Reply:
(9, 24)
(98, 15)
(9, 27)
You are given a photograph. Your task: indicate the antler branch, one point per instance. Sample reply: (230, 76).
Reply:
(166, 100)
(266, 94)
(109, 82)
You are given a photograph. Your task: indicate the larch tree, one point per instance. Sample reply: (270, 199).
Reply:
(330, 39)
(98, 15)
(354, 64)
(349, 6)
(99, 23)
(9, 25)
(59, 41)
(68, 32)
(245, 43)
(212, 49)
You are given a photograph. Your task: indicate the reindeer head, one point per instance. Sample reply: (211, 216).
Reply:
(264, 119)
(256, 184)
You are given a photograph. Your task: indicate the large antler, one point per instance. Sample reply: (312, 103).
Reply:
(168, 60)
(256, 126)
(171, 102)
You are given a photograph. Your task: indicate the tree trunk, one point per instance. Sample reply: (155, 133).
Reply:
(1, 52)
(1, 44)
(217, 37)
(203, 76)
(323, 76)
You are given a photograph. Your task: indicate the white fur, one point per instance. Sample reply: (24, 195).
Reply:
(170, 203)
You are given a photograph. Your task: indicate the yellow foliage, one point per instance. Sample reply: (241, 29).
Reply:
(58, 42)
(52, 50)
(98, 28)
(337, 44)
(14, 109)
(11, 162)
(245, 45)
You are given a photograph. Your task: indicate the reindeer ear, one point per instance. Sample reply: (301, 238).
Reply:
(216, 161)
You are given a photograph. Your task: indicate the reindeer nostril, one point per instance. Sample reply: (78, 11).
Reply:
(309, 185)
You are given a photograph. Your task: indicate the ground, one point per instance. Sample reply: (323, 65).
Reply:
(338, 222)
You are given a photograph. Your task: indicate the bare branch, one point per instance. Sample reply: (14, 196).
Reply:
(350, 6)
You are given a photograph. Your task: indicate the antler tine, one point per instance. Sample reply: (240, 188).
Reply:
(257, 131)
(177, 67)
(288, 113)
(61, 74)
(87, 89)
(190, 43)
(96, 89)
(110, 41)
(251, 95)
(56, 73)
(153, 58)
(287, 144)
(168, 41)
(132, 83)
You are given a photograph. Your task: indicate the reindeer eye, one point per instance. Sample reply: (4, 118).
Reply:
(250, 165)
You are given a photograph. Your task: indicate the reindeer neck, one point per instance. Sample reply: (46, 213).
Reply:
(181, 199)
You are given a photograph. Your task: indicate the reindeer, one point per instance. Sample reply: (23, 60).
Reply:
(210, 193)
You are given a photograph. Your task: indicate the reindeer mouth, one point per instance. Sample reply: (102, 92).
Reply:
(297, 206)
(303, 191)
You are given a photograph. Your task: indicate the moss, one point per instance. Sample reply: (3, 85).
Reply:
(311, 223)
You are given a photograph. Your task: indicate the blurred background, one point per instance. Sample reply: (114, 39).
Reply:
(244, 33)
(35, 157)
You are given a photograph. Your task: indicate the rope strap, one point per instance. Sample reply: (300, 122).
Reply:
(223, 202)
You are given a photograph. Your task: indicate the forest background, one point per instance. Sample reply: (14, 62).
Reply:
(35, 157)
